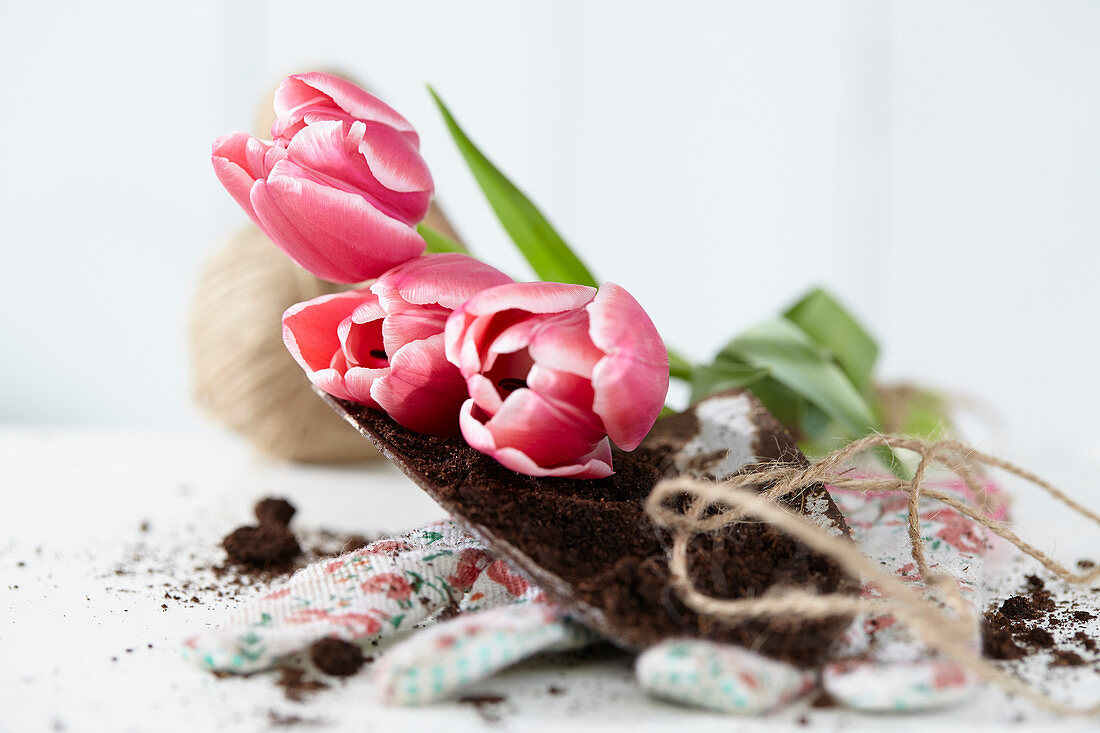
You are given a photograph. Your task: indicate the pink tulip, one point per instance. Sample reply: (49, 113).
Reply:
(341, 188)
(424, 391)
(383, 347)
(553, 372)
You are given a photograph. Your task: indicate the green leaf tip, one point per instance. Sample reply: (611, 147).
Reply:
(821, 317)
(543, 248)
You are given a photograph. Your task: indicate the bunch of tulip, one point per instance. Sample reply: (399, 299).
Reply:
(542, 376)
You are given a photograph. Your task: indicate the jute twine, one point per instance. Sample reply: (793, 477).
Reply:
(941, 619)
(242, 374)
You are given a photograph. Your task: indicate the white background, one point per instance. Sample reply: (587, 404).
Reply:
(936, 164)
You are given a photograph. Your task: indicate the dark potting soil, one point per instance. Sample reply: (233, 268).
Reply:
(270, 550)
(1086, 641)
(1018, 608)
(265, 547)
(268, 546)
(1066, 658)
(590, 545)
(336, 657)
(297, 684)
(274, 511)
(1021, 626)
(998, 640)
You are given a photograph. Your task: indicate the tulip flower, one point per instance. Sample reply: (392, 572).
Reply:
(383, 346)
(341, 188)
(554, 373)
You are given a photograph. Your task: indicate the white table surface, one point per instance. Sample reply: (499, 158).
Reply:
(86, 645)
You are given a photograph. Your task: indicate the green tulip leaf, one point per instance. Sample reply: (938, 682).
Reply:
(438, 242)
(798, 363)
(711, 378)
(831, 326)
(547, 253)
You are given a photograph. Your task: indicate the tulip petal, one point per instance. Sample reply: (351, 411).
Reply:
(338, 236)
(461, 349)
(423, 391)
(512, 336)
(596, 463)
(475, 352)
(414, 324)
(361, 343)
(632, 381)
(318, 92)
(394, 162)
(331, 381)
(531, 297)
(358, 382)
(563, 344)
(484, 394)
(571, 395)
(310, 328)
(448, 279)
(368, 310)
(330, 153)
(530, 424)
(239, 161)
(474, 431)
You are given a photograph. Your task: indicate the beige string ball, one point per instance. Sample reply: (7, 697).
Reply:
(242, 375)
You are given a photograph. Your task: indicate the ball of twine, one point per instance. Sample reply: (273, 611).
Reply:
(242, 374)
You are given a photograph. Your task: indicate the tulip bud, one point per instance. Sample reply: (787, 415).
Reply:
(341, 188)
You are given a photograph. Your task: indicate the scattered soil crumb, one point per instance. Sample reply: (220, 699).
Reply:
(1019, 607)
(265, 547)
(274, 511)
(486, 705)
(336, 657)
(296, 684)
(486, 699)
(1065, 658)
(1022, 625)
(1085, 640)
(1039, 638)
(279, 720)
